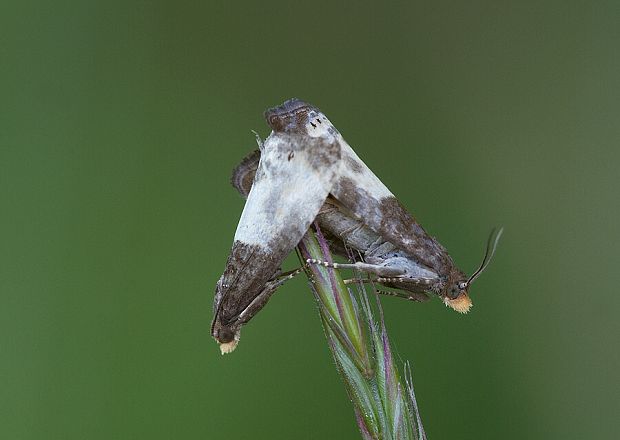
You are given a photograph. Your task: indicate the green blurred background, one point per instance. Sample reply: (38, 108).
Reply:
(121, 121)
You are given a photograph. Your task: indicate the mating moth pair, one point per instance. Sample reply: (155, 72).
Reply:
(305, 171)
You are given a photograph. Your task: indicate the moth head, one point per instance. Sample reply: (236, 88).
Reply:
(227, 336)
(457, 295)
(290, 117)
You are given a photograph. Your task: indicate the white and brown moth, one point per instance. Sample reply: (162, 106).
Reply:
(391, 266)
(306, 169)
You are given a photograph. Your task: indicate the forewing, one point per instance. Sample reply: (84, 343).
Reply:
(361, 192)
(294, 177)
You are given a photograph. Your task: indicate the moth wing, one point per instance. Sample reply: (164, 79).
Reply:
(361, 192)
(294, 176)
(243, 174)
(293, 179)
(329, 217)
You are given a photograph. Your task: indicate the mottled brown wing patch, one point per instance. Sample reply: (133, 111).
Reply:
(388, 218)
(243, 174)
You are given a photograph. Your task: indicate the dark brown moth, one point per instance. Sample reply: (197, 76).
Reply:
(304, 163)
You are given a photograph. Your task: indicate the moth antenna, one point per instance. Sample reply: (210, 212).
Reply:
(259, 141)
(494, 237)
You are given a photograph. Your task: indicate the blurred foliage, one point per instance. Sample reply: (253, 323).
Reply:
(120, 123)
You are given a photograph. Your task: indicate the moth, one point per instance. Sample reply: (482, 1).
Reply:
(391, 266)
(303, 162)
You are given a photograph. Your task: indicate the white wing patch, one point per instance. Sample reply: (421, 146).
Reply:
(293, 180)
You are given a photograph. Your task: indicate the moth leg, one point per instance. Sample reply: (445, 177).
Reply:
(261, 299)
(358, 280)
(411, 296)
(381, 271)
(421, 281)
(283, 277)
